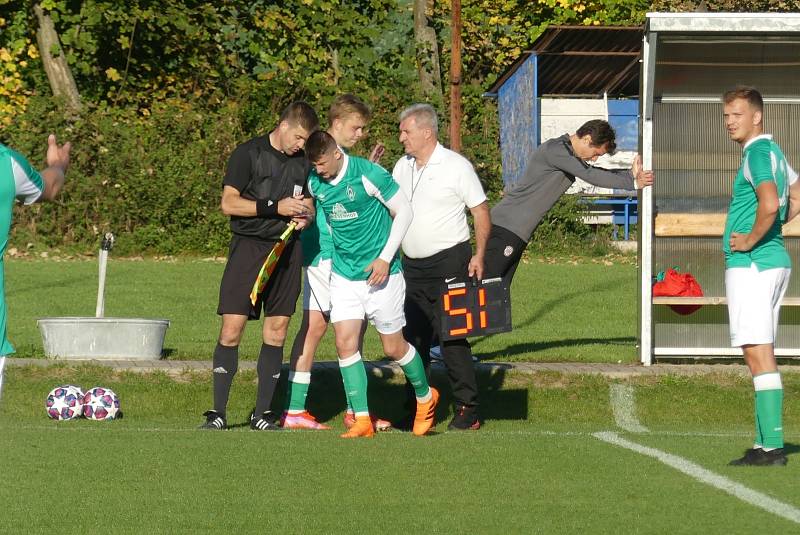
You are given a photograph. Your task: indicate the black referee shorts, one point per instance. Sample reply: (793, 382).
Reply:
(245, 257)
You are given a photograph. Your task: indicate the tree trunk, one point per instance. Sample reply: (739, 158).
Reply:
(58, 72)
(455, 79)
(427, 53)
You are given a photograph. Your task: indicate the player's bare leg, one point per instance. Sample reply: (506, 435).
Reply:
(398, 349)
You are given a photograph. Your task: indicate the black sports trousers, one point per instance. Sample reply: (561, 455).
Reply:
(425, 278)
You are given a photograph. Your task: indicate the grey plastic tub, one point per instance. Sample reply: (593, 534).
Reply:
(103, 338)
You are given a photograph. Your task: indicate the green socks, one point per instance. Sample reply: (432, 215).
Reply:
(354, 376)
(769, 410)
(297, 391)
(412, 366)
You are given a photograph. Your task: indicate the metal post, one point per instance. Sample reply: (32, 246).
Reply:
(455, 78)
(646, 202)
(105, 247)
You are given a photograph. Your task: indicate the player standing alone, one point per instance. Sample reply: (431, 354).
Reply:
(357, 198)
(757, 266)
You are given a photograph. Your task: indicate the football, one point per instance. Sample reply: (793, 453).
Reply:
(101, 403)
(64, 403)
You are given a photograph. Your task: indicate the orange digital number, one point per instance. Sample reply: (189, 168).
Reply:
(482, 303)
(458, 311)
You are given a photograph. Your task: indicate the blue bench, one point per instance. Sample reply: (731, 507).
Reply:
(625, 211)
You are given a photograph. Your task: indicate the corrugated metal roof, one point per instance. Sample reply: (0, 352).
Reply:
(584, 60)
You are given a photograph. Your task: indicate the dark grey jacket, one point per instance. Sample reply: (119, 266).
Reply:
(550, 172)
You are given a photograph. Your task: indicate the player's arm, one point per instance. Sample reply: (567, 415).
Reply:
(483, 224)
(766, 212)
(234, 204)
(635, 178)
(57, 163)
(794, 194)
(402, 214)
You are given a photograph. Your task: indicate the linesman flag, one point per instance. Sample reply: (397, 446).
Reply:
(269, 264)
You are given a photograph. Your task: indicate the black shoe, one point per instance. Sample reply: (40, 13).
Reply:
(759, 457)
(405, 423)
(214, 421)
(465, 419)
(269, 421)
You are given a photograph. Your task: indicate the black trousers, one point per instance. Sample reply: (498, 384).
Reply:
(503, 252)
(424, 280)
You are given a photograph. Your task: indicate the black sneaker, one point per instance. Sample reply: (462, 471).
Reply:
(465, 419)
(214, 421)
(759, 457)
(269, 421)
(406, 423)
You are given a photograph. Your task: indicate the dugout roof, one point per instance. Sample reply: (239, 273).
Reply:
(584, 61)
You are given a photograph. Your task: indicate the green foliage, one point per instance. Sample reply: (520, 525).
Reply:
(154, 181)
(171, 87)
(745, 6)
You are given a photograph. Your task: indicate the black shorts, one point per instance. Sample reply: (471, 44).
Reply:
(245, 257)
(503, 252)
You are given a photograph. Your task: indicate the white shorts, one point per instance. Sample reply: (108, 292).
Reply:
(317, 287)
(382, 305)
(754, 303)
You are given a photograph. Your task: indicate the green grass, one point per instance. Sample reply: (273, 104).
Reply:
(533, 468)
(562, 311)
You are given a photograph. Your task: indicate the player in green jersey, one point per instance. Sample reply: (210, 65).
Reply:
(368, 216)
(757, 266)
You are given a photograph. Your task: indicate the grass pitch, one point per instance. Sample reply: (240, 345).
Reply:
(535, 466)
(568, 311)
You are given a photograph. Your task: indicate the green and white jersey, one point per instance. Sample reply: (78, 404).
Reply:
(762, 161)
(353, 204)
(316, 240)
(18, 180)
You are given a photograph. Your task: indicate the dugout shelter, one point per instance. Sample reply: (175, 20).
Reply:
(688, 61)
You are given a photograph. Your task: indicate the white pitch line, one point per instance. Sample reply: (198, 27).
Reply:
(748, 495)
(2, 369)
(623, 404)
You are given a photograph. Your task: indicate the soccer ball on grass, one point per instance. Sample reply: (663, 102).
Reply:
(101, 403)
(64, 403)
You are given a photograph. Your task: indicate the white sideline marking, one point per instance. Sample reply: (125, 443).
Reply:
(2, 368)
(623, 404)
(753, 497)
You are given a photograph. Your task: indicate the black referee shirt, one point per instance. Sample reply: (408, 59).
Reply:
(259, 171)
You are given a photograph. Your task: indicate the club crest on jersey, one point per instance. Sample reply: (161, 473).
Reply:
(350, 193)
(340, 213)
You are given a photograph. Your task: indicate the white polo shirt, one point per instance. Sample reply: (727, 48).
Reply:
(439, 192)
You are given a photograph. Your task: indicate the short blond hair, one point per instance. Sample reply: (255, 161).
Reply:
(348, 104)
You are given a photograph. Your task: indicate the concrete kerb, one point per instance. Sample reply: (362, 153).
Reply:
(385, 368)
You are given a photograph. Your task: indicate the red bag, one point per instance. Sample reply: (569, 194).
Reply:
(674, 284)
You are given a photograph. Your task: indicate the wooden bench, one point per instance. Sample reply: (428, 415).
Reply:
(676, 225)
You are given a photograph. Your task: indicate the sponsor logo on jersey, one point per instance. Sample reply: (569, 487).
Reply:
(340, 213)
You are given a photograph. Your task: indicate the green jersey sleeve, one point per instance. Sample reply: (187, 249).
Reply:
(758, 167)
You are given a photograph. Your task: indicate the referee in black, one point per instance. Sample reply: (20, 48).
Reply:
(263, 190)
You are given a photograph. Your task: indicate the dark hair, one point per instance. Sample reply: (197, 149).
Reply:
(750, 94)
(601, 133)
(300, 114)
(319, 143)
(348, 104)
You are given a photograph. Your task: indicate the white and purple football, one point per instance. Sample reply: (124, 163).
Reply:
(100, 403)
(64, 403)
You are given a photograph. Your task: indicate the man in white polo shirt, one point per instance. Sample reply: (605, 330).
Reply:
(441, 185)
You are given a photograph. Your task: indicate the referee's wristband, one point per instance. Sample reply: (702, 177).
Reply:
(266, 208)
